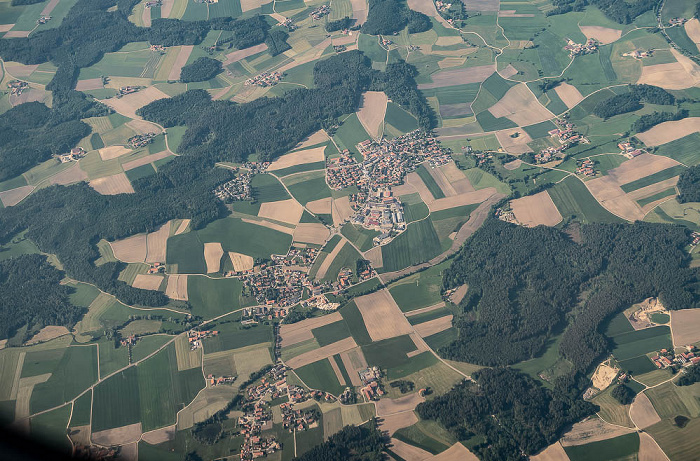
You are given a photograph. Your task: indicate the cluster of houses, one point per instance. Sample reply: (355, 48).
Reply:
(321, 11)
(566, 134)
(195, 337)
(216, 381)
(504, 214)
(695, 236)
(578, 49)
(129, 89)
(481, 158)
(289, 24)
(371, 380)
(339, 48)
(666, 358)
(140, 140)
(386, 43)
(547, 154)
(673, 22)
(252, 315)
(17, 87)
(277, 285)
(381, 212)
(629, 150)
(442, 7)
(158, 48)
(299, 420)
(74, 155)
(156, 268)
(153, 3)
(585, 167)
(237, 189)
(43, 20)
(265, 79)
(640, 54)
(128, 341)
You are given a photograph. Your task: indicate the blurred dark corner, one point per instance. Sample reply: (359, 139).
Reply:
(18, 447)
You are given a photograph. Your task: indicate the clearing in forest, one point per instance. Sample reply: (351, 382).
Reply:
(112, 185)
(372, 111)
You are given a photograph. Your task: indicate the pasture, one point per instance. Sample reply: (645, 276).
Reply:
(640, 342)
(573, 199)
(211, 297)
(419, 290)
(418, 243)
(621, 447)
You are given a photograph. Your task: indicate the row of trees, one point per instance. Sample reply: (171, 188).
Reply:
(620, 12)
(632, 100)
(689, 185)
(386, 17)
(647, 121)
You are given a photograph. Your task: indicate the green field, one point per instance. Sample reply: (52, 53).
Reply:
(573, 199)
(236, 338)
(653, 178)
(266, 188)
(670, 192)
(187, 252)
(331, 333)
(361, 237)
(307, 187)
(320, 375)
(622, 447)
(430, 182)
(212, 297)
(426, 434)
(346, 258)
(246, 238)
(677, 443)
(116, 401)
(640, 342)
(353, 318)
(390, 355)
(82, 408)
(418, 243)
(112, 358)
(419, 290)
(399, 118)
(50, 428)
(539, 130)
(349, 134)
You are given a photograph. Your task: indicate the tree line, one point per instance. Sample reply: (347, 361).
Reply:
(647, 121)
(632, 100)
(689, 185)
(619, 11)
(352, 443)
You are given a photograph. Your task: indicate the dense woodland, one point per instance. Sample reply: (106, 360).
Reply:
(623, 394)
(32, 295)
(385, 17)
(340, 24)
(512, 414)
(527, 285)
(689, 185)
(352, 443)
(690, 376)
(619, 11)
(647, 121)
(632, 100)
(200, 70)
(276, 42)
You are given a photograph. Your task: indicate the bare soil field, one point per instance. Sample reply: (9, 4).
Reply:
(320, 206)
(270, 225)
(301, 331)
(341, 210)
(590, 430)
(182, 56)
(393, 423)
(685, 326)
(240, 261)
(569, 94)
(454, 175)
(649, 450)
(669, 131)
(407, 451)
(692, 28)
(603, 376)
(311, 233)
(47, 334)
(235, 56)
(652, 189)
(183, 227)
(316, 138)
(514, 165)
(372, 111)
(509, 70)
(321, 353)
(382, 316)
(20, 70)
(166, 7)
(112, 185)
(146, 17)
(642, 412)
(288, 211)
(213, 254)
(513, 14)
(535, 210)
(443, 183)
(147, 282)
(145, 160)
(421, 345)
(13, 196)
(127, 105)
(514, 145)
(118, 436)
(6, 27)
(640, 167)
(609, 194)
(604, 35)
(354, 361)
(70, 175)
(31, 95)
(300, 157)
(451, 62)
(329, 259)
(177, 287)
(49, 8)
(374, 256)
(89, 84)
(131, 249)
(434, 326)
(156, 243)
(521, 107)
(468, 198)
(673, 76)
(164, 434)
(412, 179)
(457, 452)
(17, 34)
(247, 5)
(554, 452)
(408, 403)
(359, 10)
(459, 76)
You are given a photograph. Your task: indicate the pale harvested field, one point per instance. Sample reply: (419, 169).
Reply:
(685, 326)
(186, 357)
(692, 28)
(509, 70)
(592, 430)
(177, 287)
(147, 281)
(413, 180)
(183, 227)
(516, 145)
(17, 34)
(320, 206)
(468, 198)
(301, 331)
(336, 370)
(207, 402)
(112, 185)
(569, 94)
(118, 436)
(146, 17)
(240, 261)
(374, 256)
(457, 452)
(288, 211)
(131, 249)
(24, 393)
(89, 84)
(6, 27)
(642, 412)
(609, 194)
(393, 423)
(427, 7)
(652, 189)
(454, 175)
(70, 175)
(513, 14)
(459, 76)
(112, 152)
(300, 157)
(13, 196)
(442, 182)
(156, 244)
(354, 361)
(316, 138)
(408, 452)
(408, 403)
(451, 62)
(212, 255)
(47, 334)
(447, 41)
(166, 7)
(535, 210)
(12, 394)
(423, 310)
(649, 450)
(371, 112)
(669, 131)
(321, 353)
(603, 376)
(127, 105)
(145, 160)
(514, 165)
(382, 316)
(31, 95)
(604, 35)
(311, 233)
(640, 167)
(236, 55)
(118, 82)
(164, 434)
(672, 76)
(270, 225)
(247, 5)
(359, 10)
(554, 452)
(521, 107)
(433, 326)
(329, 259)
(421, 345)
(341, 210)
(143, 126)
(182, 56)
(49, 7)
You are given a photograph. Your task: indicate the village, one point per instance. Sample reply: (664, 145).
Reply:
(566, 135)
(74, 155)
(140, 140)
(17, 87)
(579, 49)
(668, 358)
(381, 212)
(321, 11)
(265, 79)
(237, 189)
